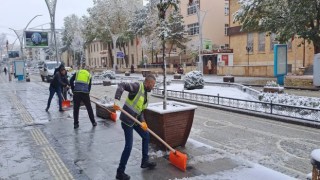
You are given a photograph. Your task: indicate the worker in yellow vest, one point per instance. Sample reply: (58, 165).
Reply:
(136, 103)
(81, 85)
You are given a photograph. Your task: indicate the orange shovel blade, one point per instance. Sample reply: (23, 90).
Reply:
(66, 103)
(113, 116)
(179, 160)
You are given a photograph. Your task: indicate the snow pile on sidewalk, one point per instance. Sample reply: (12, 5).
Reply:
(291, 100)
(252, 172)
(194, 80)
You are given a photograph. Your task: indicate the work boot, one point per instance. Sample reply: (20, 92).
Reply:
(61, 110)
(47, 109)
(122, 176)
(76, 126)
(148, 164)
(94, 124)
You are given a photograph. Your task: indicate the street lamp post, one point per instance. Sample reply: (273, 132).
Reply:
(200, 22)
(248, 48)
(51, 4)
(9, 67)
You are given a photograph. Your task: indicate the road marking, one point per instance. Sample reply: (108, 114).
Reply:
(300, 128)
(302, 174)
(56, 166)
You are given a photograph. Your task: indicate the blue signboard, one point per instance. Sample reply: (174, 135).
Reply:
(120, 55)
(19, 69)
(280, 62)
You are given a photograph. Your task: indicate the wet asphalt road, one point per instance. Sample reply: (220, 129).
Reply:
(40, 145)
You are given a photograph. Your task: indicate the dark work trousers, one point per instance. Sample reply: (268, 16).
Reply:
(85, 98)
(53, 90)
(128, 133)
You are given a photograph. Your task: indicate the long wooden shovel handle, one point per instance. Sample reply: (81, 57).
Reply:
(150, 131)
(100, 104)
(62, 97)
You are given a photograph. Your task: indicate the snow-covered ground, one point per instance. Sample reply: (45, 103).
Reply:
(229, 92)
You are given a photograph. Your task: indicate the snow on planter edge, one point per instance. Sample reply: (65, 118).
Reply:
(172, 106)
(315, 154)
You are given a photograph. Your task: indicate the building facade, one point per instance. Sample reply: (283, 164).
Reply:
(253, 51)
(97, 55)
(214, 21)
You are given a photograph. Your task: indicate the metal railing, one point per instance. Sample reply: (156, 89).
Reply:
(304, 113)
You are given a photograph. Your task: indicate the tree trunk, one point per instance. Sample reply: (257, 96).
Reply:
(170, 51)
(125, 55)
(110, 54)
(114, 41)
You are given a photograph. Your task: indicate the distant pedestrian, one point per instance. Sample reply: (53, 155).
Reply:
(56, 87)
(81, 85)
(209, 65)
(64, 79)
(5, 70)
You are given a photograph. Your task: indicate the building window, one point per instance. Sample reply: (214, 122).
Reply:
(226, 46)
(226, 26)
(94, 47)
(226, 9)
(193, 9)
(193, 28)
(262, 42)
(272, 41)
(250, 42)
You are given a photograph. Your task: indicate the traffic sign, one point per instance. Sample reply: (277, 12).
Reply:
(120, 54)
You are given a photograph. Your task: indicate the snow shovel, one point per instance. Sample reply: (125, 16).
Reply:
(65, 103)
(176, 158)
(113, 115)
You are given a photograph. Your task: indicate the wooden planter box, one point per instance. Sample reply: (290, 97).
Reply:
(228, 79)
(315, 161)
(273, 89)
(106, 83)
(177, 76)
(101, 112)
(172, 125)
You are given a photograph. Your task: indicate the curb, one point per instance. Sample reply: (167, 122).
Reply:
(287, 87)
(261, 115)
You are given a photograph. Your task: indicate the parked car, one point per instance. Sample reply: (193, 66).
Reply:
(47, 70)
(108, 74)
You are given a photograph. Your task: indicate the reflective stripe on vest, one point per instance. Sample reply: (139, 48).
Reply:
(137, 104)
(82, 81)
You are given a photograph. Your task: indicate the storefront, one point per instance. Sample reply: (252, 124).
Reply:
(214, 58)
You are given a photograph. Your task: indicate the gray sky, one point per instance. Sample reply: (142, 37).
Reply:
(17, 13)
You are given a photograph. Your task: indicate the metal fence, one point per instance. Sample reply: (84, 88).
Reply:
(304, 113)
